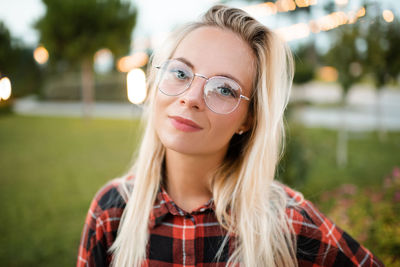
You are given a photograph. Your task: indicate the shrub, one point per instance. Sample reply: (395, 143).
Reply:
(6, 106)
(370, 215)
(293, 167)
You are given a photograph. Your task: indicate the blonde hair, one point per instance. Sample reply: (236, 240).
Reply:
(248, 203)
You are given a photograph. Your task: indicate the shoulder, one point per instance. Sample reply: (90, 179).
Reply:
(319, 240)
(106, 208)
(101, 224)
(108, 198)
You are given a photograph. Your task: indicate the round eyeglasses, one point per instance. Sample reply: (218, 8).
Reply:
(222, 95)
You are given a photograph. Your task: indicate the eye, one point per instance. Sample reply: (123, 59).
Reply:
(179, 74)
(226, 91)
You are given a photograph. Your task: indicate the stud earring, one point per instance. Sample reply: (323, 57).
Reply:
(240, 132)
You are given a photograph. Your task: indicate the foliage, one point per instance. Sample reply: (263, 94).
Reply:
(370, 215)
(6, 106)
(74, 30)
(383, 47)
(393, 51)
(305, 59)
(5, 43)
(294, 165)
(17, 63)
(376, 52)
(344, 53)
(86, 27)
(371, 43)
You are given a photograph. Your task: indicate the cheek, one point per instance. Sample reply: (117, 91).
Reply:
(160, 104)
(159, 111)
(224, 128)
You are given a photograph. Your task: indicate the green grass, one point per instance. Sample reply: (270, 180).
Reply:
(50, 169)
(369, 160)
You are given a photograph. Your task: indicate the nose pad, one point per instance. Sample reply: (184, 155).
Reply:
(193, 96)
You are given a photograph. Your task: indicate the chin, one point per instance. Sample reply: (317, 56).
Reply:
(181, 145)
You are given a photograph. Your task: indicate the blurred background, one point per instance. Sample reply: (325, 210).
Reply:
(72, 77)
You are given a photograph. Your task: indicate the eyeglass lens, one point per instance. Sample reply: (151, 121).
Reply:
(221, 94)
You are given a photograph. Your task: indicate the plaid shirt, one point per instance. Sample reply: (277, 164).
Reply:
(178, 238)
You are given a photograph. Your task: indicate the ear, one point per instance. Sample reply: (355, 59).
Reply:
(246, 125)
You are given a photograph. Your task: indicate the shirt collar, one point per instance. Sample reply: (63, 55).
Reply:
(164, 205)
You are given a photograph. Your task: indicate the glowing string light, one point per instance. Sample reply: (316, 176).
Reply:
(388, 15)
(5, 88)
(136, 81)
(41, 55)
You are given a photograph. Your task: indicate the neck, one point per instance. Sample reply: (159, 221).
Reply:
(188, 178)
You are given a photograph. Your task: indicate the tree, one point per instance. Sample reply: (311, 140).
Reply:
(305, 57)
(345, 57)
(393, 51)
(5, 45)
(382, 60)
(74, 30)
(376, 64)
(16, 62)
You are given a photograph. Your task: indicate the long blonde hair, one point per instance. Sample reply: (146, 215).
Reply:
(248, 203)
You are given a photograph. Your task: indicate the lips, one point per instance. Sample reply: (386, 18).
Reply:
(184, 125)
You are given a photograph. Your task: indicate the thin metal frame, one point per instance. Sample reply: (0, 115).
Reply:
(241, 96)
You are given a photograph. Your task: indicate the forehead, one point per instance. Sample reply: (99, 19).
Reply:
(213, 51)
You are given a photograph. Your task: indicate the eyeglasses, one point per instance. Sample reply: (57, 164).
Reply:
(222, 95)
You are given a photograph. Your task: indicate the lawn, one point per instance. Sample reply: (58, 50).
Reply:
(369, 159)
(50, 168)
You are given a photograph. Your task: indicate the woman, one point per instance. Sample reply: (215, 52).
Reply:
(201, 192)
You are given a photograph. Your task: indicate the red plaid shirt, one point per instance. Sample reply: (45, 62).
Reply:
(178, 238)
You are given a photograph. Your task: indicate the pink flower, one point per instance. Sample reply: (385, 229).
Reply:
(396, 172)
(387, 183)
(349, 189)
(397, 196)
(376, 197)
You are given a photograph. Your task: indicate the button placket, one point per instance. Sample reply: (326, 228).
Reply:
(188, 240)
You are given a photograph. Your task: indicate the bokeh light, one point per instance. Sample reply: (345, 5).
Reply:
(295, 31)
(328, 74)
(41, 55)
(388, 15)
(137, 60)
(305, 3)
(103, 60)
(285, 5)
(5, 88)
(341, 2)
(136, 86)
(361, 12)
(263, 9)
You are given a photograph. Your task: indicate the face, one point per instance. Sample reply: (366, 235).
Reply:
(184, 123)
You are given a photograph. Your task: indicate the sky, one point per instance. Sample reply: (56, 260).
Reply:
(155, 17)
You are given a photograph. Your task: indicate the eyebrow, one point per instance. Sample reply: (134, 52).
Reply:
(184, 60)
(187, 62)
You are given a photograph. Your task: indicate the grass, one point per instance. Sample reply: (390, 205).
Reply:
(50, 169)
(369, 160)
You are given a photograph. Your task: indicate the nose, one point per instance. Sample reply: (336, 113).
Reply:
(193, 96)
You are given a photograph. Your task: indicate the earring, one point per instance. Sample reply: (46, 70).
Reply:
(240, 132)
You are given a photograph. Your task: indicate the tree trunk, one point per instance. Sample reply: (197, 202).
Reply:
(342, 139)
(379, 116)
(87, 80)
